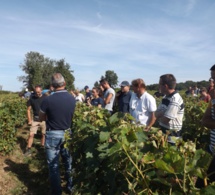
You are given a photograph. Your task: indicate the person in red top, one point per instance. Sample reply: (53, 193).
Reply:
(211, 86)
(204, 96)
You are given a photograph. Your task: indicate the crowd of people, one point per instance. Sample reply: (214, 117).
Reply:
(202, 93)
(53, 112)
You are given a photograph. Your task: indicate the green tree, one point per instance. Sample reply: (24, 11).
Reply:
(48, 69)
(102, 77)
(111, 77)
(38, 70)
(182, 85)
(33, 67)
(96, 84)
(154, 87)
(64, 69)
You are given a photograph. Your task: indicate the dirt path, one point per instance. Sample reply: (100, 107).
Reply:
(20, 175)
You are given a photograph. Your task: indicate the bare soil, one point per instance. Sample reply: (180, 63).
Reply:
(21, 175)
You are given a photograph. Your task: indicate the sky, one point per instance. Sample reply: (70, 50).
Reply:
(134, 38)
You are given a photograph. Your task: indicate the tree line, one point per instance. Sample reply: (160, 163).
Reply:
(38, 68)
(183, 85)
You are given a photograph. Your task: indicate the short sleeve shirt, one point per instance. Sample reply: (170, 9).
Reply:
(173, 108)
(98, 101)
(35, 102)
(109, 106)
(59, 109)
(79, 97)
(141, 108)
(88, 94)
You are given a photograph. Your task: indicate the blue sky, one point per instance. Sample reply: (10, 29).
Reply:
(134, 38)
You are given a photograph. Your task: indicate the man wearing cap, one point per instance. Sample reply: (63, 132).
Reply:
(123, 97)
(57, 110)
(88, 93)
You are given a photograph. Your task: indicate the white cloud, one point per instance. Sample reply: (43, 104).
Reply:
(132, 48)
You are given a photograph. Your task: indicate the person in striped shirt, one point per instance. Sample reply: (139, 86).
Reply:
(208, 121)
(171, 110)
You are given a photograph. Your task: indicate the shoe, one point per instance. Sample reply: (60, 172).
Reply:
(28, 152)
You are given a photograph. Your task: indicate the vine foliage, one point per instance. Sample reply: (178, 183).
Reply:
(12, 116)
(113, 156)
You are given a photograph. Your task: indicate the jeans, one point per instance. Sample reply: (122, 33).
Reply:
(54, 148)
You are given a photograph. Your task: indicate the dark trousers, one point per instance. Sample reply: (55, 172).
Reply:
(173, 133)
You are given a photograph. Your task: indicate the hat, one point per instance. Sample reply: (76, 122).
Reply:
(86, 87)
(124, 83)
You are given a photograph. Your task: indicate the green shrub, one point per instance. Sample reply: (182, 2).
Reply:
(12, 116)
(113, 156)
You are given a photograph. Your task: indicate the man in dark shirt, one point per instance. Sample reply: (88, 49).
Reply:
(88, 95)
(34, 103)
(57, 110)
(124, 96)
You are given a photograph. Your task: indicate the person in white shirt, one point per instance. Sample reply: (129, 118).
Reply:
(79, 97)
(142, 105)
(109, 95)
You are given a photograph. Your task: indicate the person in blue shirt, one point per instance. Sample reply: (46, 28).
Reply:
(49, 91)
(96, 100)
(88, 93)
(123, 97)
(58, 110)
(27, 94)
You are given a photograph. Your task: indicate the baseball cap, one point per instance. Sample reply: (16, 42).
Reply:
(124, 83)
(86, 87)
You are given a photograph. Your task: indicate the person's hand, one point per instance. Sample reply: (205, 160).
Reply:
(147, 128)
(118, 93)
(29, 123)
(88, 102)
